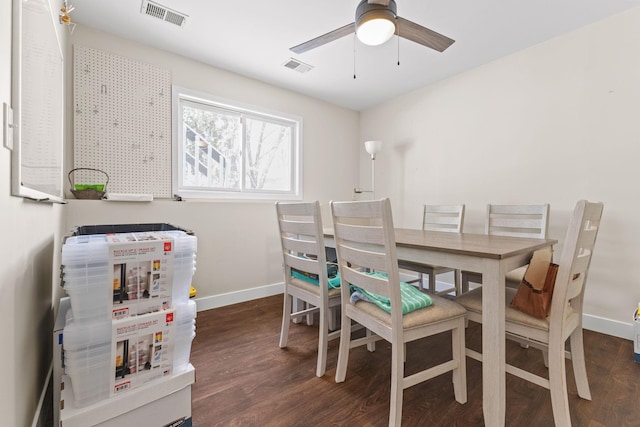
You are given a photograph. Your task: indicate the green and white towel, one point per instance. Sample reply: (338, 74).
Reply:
(334, 282)
(412, 298)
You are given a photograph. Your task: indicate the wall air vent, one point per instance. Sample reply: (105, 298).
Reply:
(162, 12)
(298, 66)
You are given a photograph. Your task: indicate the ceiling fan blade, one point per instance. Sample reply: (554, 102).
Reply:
(325, 38)
(380, 2)
(424, 36)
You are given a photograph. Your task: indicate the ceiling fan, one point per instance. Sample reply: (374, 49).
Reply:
(376, 21)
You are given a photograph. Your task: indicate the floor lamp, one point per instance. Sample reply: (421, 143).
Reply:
(372, 147)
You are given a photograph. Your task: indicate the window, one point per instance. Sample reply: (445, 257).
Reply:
(226, 150)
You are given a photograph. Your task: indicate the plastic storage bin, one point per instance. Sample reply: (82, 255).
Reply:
(85, 230)
(89, 279)
(185, 333)
(111, 357)
(93, 337)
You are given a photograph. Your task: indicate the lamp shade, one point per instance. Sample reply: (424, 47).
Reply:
(373, 147)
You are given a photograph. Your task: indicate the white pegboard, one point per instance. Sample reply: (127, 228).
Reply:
(122, 121)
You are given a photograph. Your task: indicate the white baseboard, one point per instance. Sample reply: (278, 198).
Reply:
(590, 322)
(37, 422)
(608, 326)
(207, 303)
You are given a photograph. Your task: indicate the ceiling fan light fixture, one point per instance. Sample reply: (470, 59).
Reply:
(376, 31)
(375, 23)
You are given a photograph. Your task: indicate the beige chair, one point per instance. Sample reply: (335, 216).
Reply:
(364, 248)
(511, 221)
(303, 249)
(446, 218)
(565, 319)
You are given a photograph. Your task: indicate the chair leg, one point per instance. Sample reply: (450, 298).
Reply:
(371, 346)
(464, 285)
(343, 351)
(286, 319)
(397, 380)
(298, 305)
(558, 384)
(458, 352)
(456, 282)
(323, 331)
(420, 281)
(309, 316)
(333, 318)
(432, 282)
(579, 366)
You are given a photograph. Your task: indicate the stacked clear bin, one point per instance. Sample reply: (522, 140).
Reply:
(87, 279)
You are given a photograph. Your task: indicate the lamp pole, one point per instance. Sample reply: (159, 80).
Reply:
(372, 147)
(373, 176)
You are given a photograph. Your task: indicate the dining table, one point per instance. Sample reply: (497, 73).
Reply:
(493, 256)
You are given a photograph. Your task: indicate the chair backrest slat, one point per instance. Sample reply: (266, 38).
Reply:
(517, 220)
(298, 227)
(295, 244)
(363, 234)
(373, 284)
(449, 218)
(303, 264)
(361, 257)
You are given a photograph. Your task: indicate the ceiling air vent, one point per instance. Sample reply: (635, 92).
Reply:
(162, 12)
(298, 66)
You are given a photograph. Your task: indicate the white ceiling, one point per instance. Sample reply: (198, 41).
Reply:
(253, 37)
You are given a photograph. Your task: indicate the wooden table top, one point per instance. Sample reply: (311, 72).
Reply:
(480, 245)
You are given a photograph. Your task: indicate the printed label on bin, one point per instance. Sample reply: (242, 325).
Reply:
(141, 272)
(142, 351)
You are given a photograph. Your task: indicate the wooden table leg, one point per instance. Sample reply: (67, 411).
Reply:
(493, 343)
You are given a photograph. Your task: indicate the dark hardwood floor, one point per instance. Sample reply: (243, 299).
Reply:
(244, 379)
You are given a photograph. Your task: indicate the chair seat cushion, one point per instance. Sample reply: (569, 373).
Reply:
(314, 289)
(517, 274)
(511, 276)
(472, 301)
(441, 309)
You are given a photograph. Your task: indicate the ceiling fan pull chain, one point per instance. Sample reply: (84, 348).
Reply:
(398, 43)
(354, 55)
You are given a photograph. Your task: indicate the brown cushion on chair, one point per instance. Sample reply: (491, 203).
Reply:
(441, 309)
(536, 289)
(536, 273)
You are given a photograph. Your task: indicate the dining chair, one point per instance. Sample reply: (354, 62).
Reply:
(511, 221)
(445, 218)
(565, 319)
(365, 243)
(304, 255)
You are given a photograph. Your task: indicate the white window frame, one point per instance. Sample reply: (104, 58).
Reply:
(180, 94)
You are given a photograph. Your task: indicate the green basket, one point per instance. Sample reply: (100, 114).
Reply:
(88, 191)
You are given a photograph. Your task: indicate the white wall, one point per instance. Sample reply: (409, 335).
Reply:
(238, 247)
(30, 257)
(551, 124)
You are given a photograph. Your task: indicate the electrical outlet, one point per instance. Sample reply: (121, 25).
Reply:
(7, 126)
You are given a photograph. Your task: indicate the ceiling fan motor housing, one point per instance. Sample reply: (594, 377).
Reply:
(367, 11)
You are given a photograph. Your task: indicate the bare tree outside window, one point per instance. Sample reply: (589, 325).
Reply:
(268, 155)
(222, 149)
